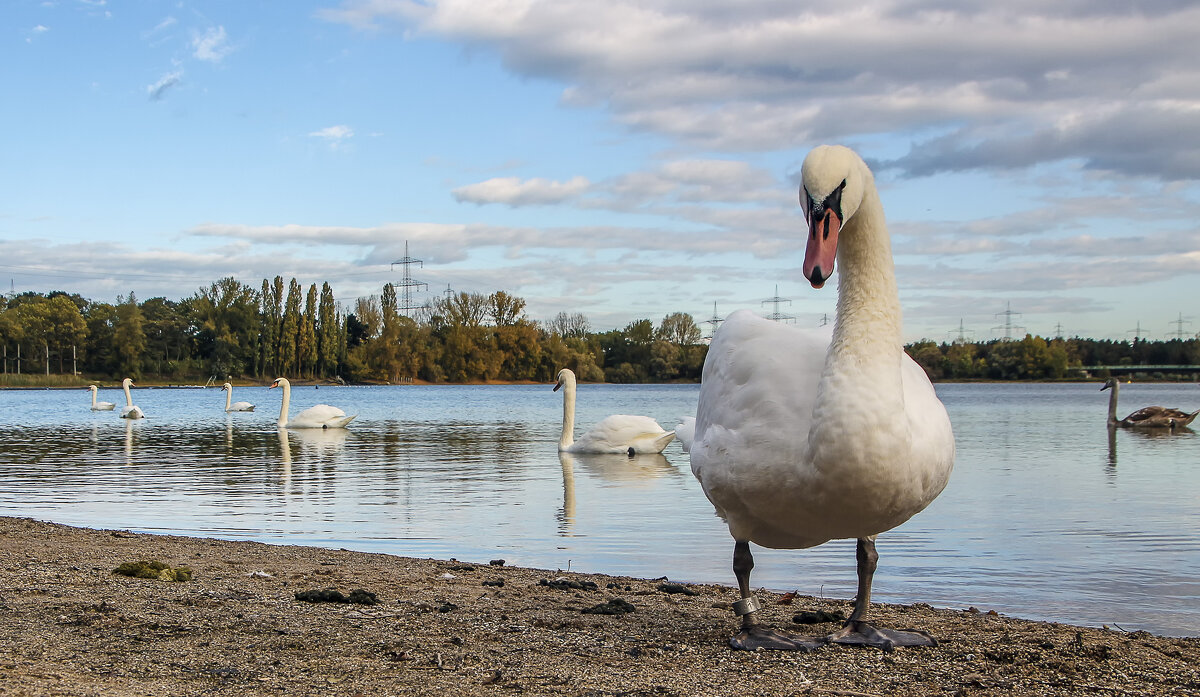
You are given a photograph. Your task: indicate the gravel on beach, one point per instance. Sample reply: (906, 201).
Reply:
(215, 617)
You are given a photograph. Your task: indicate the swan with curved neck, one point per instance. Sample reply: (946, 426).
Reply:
(318, 416)
(99, 406)
(130, 411)
(619, 433)
(803, 436)
(1146, 417)
(231, 405)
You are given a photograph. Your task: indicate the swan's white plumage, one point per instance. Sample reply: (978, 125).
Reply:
(231, 405)
(805, 436)
(318, 416)
(685, 431)
(613, 434)
(99, 406)
(130, 411)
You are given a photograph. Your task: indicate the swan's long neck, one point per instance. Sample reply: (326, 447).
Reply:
(93, 391)
(283, 405)
(867, 334)
(861, 389)
(128, 398)
(1112, 403)
(228, 399)
(568, 429)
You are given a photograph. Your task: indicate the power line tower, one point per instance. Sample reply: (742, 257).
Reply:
(715, 321)
(407, 284)
(1058, 330)
(449, 292)
(1178, 333)
(1008, 325)
(1137, 332)
(962, 332)
(776, 315)
(824, 320)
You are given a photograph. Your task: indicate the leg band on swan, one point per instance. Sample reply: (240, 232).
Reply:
(745, 606)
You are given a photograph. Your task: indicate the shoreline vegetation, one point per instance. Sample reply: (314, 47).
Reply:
(246, 618)
(231, 329)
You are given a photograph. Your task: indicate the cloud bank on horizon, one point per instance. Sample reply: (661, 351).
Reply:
(630, 159)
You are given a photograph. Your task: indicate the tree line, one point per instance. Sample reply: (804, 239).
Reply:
(230, 329)
(1037, 358)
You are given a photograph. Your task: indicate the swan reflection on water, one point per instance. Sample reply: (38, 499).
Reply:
(1141, 434)
(626, 469)
(566, 517)
(610, 468)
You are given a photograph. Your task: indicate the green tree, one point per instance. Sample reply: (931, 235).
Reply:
(226, 322)
(130, 337)
(289, 330)
(306, 340)
(168, 341)
(679, 328)
(329, 344)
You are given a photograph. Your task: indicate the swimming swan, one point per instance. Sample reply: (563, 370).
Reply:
(319, 416)
(99, 406)
(804, 437)
(129, 411)
(619, 433)
(1146, 417)
(230, 405)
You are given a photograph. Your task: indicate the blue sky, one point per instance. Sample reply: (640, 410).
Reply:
(620, 159)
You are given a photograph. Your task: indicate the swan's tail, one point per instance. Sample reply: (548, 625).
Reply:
(340, 423)
(1187, 419)
(685, 431)
(662, 441)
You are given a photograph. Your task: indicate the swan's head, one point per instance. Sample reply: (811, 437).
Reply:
(127, 382)
(226, 386)
(280, 382)
(1111, 382)
(832, 182)
(565, 377)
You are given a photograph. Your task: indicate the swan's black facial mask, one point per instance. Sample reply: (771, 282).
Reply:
(824, 222)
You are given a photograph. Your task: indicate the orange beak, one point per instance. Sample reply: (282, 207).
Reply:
(821, 250)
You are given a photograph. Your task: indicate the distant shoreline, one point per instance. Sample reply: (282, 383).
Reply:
(153, 385)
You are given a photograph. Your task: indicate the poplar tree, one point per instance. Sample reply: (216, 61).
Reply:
(306, 341)
(328, 333)
(289, 330)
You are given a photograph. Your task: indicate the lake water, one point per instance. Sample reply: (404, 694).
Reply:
(1046, 516)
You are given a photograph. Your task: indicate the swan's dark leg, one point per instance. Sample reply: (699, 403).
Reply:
(857, 630)
(753, 635)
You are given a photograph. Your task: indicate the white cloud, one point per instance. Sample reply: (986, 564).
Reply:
(336, 136)
(212, 45)
(993, 79)
(166, 82)
(516, 192)
(35, 33)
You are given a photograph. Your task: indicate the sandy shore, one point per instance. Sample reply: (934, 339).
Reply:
(70, 626)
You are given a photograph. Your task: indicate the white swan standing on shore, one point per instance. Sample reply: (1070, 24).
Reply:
(129, 411)
(318, 416)
(619, 433)
(802, 437)
(231, 405)
(99, 406)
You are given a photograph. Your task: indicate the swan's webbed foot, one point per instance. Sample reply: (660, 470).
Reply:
(758, 637)
(863, 633)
